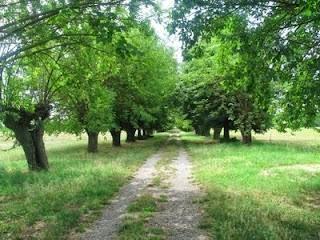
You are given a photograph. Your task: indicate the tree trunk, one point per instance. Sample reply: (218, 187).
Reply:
(226, 131)
(205, 131)
(116, 137)
(147, 133)
(131, 135)
(92, 141)
(246, 137)
(33, 145)
(216, 133)
(197, 130)
(144, 134)
(140, 137)
(1, 82)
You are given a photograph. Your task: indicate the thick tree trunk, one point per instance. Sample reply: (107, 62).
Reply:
(116, 137)
(33, 146)
(246, 137)
(92, 141)
(131, 135)
(216, 133)
(226, 131)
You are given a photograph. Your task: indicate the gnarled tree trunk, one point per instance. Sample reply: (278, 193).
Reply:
(92, 141)
(116, 137)
(31, 140)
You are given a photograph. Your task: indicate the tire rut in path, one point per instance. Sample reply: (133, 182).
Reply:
(107, 227)
(181, 215)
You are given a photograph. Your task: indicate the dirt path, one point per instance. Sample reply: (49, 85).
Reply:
(107, 227)
(181, 215)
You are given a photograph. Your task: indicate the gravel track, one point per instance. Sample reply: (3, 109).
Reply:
(181, 216)
(108, 226)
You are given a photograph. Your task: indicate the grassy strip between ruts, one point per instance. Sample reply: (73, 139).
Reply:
(263, 191)
(136, 224)
(164, 170)
(48, 205)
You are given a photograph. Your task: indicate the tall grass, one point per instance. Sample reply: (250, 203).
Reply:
(48, 205)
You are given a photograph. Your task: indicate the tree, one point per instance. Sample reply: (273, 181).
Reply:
(286, 36)
(142, 85)
(233, 89)
(85, 104)
(28, 88)
(23, 21)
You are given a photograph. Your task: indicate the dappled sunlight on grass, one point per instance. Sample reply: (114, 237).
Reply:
(50, 204)
(262, 190)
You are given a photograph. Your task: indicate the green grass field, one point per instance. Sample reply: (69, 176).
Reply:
(49, 205)
(270, 190)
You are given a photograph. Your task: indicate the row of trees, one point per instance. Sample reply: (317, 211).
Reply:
(90, 66)
(250, 64)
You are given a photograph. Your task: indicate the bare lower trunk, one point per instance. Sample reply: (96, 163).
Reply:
(226, 131)
(246, 137)
(140, 136)
(92, 141)
(205, 131)
(216, 133)
(197, 130)
(144, 133)
(147, 133)
(131, 135)
(33, 146)
(116, 137)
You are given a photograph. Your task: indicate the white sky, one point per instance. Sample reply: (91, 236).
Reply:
(160, 28)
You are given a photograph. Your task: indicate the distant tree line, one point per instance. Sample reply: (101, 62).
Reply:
(249, 65)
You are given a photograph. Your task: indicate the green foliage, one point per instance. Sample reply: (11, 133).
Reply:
(143, 84)
(82, 66)
(84, 103)
(284, 37)
(225, 80)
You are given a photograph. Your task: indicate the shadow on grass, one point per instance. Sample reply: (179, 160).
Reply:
(193, 140)
(239, 216)
(47, 205)
(65, 159)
